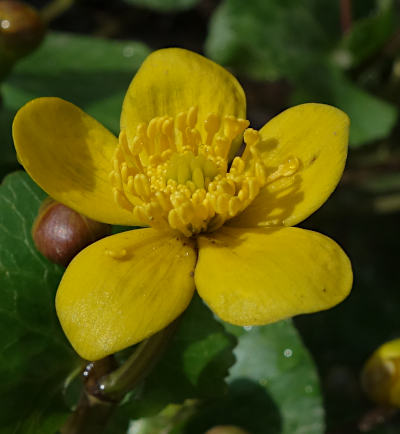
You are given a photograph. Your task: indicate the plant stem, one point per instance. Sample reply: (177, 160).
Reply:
(115, 385)
(54, 9)
(90, 416)
(106, 385)
(345, 15)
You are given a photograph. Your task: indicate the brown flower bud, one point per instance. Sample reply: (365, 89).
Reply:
(21, 29)
(60, 233)
(226, 429)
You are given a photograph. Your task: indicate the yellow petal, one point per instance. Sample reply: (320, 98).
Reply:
(258, 276)
(172, 80)
(317, 135)
(124, 288)
(69, 154)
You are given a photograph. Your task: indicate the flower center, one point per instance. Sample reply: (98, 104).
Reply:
(173, 174)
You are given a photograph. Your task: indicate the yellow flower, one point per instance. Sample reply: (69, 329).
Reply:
(217, 225)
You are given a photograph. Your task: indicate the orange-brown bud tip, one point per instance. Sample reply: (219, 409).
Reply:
(60, 233)
(21, 28)
(226, 429)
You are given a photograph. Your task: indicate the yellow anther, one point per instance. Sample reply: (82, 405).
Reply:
(191, 118)
(141, 129)
(202, 212)
(194, 138)
(142, 186)
(191, 186)
(234, 206)
(198, 196)
(251, 137)
(253, 188)
(238, 165)
(198, 177)
(130, 185)
(115, 179)
(136, 146)
(210, 169)
(183, 172)
(168, 127)
(244, 192)
(222, 204)
(116, 254)
(177, 198)
(152, 128)
(282, 184)
(226, 187)
(122, 200)
(186, 212)
(212, 186)
(233, 126)
(124, 172)
(139, 215)
(211, 125)
(222, 145)
(181, 121)
(259, 170)
(163, 200)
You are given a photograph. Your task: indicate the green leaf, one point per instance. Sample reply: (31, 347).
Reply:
(164, 5)
(371, 118)
(367, 35)
(268, 40)
(273, 384)
(92, 73)
(194, 366)
(35, 356)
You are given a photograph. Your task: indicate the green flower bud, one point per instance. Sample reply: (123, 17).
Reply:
(226, 429)
(380, 376)
(60, 233)
(21, 29)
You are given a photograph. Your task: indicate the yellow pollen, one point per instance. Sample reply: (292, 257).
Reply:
(116, 254)
(174, 172)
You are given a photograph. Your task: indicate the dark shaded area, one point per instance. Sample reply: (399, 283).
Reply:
(248, 406)
(343, 338)
(121, 20)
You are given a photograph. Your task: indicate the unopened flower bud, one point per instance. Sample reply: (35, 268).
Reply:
(21, 29)
(381, 375)
(60, 233)
(226, 429)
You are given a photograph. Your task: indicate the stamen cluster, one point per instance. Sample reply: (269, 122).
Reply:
(175, 175)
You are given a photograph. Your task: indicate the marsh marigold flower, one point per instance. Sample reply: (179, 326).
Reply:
(214, 221)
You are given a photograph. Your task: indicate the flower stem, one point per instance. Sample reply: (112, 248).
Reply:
(90, 416)
(115, 385)
(106, 385)
(345, 15)
(54, 9)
